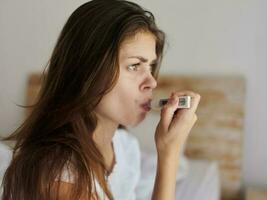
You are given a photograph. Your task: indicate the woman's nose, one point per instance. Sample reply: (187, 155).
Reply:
(149, 83)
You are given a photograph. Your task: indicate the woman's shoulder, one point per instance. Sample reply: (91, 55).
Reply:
(68, 175)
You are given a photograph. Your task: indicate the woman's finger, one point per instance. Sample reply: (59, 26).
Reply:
(167, 112)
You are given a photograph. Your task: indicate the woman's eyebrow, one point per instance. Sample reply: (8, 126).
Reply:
(142, 59)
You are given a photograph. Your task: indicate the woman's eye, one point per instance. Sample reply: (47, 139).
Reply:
(152, 67)
(133, 67)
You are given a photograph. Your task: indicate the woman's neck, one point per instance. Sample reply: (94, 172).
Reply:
(102, 136)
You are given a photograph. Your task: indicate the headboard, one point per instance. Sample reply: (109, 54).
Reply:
(218, 133)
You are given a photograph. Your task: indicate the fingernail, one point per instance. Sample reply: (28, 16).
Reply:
(174, 101)
(170, 100)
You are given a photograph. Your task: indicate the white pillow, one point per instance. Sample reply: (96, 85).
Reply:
(148, 174)
(5, 158)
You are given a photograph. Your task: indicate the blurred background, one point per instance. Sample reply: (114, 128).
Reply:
(204, 38)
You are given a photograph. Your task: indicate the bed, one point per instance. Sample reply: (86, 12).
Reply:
(211, 166)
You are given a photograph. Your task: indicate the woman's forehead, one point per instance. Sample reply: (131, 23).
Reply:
(138, 45)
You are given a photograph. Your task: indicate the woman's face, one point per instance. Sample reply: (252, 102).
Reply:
(124, 103)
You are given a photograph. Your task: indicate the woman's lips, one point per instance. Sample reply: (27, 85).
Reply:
(146, 106)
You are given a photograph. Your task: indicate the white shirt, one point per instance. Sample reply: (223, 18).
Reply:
(126, 172)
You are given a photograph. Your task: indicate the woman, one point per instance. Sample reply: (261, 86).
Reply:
(100, 80)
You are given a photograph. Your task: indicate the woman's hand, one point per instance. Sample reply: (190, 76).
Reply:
(173, 129)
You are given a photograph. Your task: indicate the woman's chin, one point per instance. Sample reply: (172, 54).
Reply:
(140, 118)
(135, 121)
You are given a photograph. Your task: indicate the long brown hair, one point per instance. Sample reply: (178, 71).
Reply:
(83, 68)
